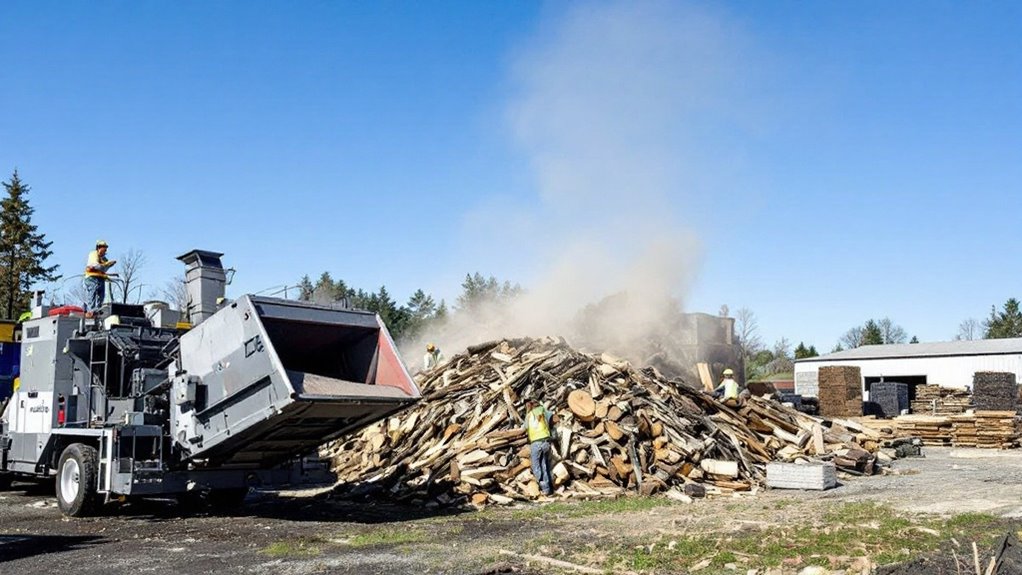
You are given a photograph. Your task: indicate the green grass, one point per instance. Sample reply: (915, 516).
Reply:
(379, 537)
(574, 509)
(846, 532)
(292, 548)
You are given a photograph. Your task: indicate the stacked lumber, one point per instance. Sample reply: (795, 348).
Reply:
(619, 428)
(994, 391)
(933, 430)
(939, 400)
(987, 429)
(888, 398)
(840, 391)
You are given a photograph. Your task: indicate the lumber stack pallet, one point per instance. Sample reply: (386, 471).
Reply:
(933, 430)
(619, 429)
(889, 398)
(939, 400)
(840, 391)
(995, 391)
(986, 429)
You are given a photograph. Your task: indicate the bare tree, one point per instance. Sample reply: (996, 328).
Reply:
(747, 329)
(892, 332)
(129, 266)
(174, 293)
(852, 338)
(969, 330)
(782, 361)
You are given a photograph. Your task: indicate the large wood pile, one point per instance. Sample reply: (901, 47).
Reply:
(995, 391)
(989, 429)
(939, 400)
(840, 391)
(620, 428)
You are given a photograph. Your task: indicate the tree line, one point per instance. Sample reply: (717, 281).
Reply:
(411, 319)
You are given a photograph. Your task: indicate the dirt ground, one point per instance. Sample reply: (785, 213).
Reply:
(306, 532)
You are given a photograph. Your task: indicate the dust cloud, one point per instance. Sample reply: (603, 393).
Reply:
(609, 100)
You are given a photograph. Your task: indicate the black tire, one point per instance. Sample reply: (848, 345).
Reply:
(77, 475)
(6, 479)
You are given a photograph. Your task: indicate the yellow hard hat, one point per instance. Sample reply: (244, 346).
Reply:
(101, 244)
(430, 347)
(729, 371)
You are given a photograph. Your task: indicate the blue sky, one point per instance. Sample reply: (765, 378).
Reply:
(827, 162)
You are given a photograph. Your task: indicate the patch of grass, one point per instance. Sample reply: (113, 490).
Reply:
(292, 548)
(386, 537)
(846, 532)
(573, 509)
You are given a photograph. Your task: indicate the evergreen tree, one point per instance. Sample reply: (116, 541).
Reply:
(1006, 323)
(914, 339)
(305, 289)
(872, 334)
(802, 352)
(23, 250)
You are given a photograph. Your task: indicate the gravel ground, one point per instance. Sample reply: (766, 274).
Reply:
(303, 532)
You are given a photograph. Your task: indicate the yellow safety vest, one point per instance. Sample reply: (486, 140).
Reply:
(730, 389)
(536, 423)
(94, 262)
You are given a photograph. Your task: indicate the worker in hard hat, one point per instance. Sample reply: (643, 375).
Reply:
(432, 358)
(96, 276)
(539, 427)
(728, 388)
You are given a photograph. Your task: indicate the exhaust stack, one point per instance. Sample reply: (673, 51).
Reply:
(205, 282)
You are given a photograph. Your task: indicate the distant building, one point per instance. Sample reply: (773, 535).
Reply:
(949, 363)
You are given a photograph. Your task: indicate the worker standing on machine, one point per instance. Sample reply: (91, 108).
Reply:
(96, 277)
(432, 358)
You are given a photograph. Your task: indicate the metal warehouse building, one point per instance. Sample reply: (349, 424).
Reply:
(950, 363)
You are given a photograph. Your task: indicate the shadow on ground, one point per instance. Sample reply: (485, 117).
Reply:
(21, 546)
(270, 505)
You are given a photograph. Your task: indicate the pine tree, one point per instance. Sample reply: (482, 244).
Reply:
(305, 289)
(23, 250)
(872, 334)
(1006, 323)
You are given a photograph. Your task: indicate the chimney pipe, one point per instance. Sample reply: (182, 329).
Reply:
(205, 282)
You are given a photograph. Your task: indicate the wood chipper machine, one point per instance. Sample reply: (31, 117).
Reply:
(123, 406)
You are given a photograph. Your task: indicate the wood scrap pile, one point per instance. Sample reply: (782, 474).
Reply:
(988, 429)
(840, 391)
(995, 391)
(940, 400)
(619, 428)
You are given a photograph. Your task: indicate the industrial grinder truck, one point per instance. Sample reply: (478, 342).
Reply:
(124, 407)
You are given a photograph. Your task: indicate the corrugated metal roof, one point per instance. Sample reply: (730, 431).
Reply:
(940, 348)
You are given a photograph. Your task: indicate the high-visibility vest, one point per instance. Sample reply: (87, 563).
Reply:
(730, 389)
(94, 262)
(536, 423)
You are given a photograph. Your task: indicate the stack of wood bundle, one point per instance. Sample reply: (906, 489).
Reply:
(889, 398)
(619, 428)
(987, 429)
(940, 400)
(994, 391)
(840, 391)
(931, 429)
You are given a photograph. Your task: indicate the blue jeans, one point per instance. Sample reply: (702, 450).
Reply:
(539, 453)
(95, 289)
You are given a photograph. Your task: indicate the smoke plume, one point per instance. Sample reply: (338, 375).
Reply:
(609, 103)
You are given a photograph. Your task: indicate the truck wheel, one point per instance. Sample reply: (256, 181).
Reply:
(6, 479)
(76, 480)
